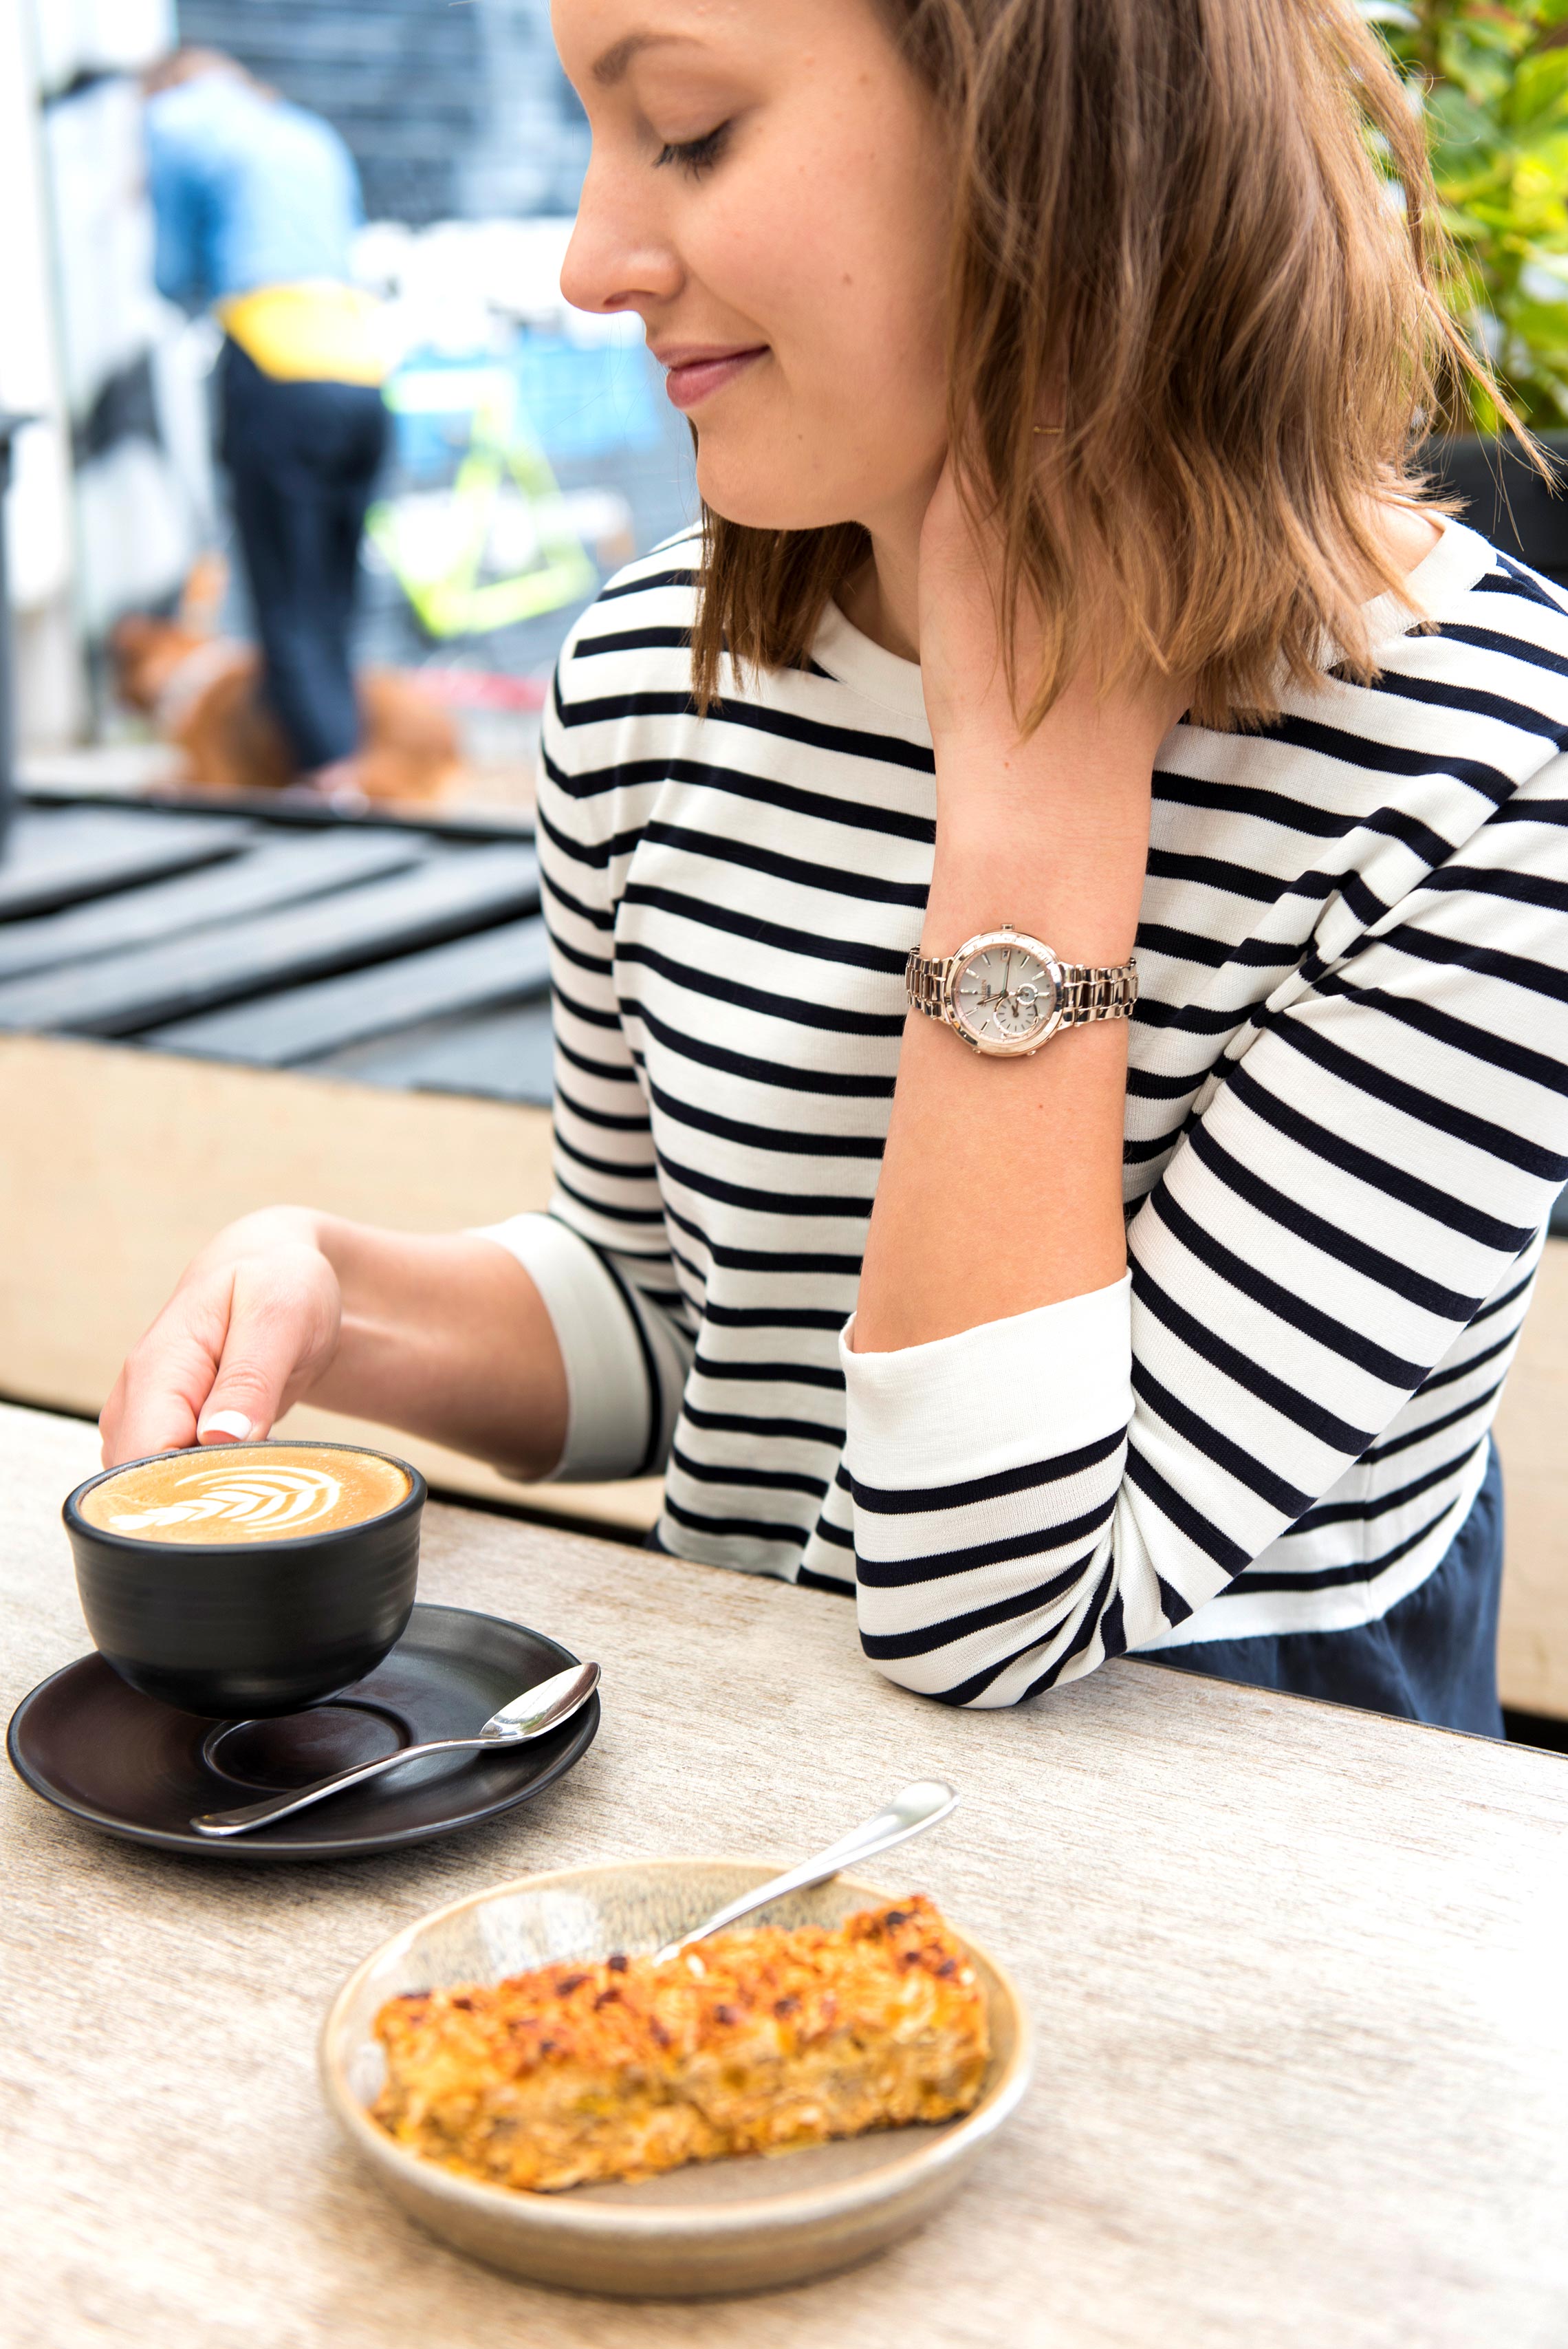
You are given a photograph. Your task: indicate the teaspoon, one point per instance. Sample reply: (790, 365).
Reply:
(532, 1714)
(909, 1813)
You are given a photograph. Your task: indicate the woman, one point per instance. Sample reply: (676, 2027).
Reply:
(1075, 346)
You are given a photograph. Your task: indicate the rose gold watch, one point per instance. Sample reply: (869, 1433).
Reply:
(1006, 994)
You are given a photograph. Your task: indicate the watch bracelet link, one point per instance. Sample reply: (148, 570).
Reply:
(1089, 994)
(925, 980)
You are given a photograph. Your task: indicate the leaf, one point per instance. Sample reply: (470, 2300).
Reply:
(1542, 327)
(1538, 98)
(1458, 129)
(1497, 119)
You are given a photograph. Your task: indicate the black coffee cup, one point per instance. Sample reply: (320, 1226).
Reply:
(248, 1628)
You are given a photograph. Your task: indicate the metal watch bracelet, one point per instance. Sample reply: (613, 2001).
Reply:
(1038, 994)
(1085, 992)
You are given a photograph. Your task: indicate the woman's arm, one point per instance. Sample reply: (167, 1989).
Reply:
(1001, 1186)
(1049, 1464)
(447, 1337)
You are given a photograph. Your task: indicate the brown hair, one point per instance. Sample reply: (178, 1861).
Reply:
(1200, 236)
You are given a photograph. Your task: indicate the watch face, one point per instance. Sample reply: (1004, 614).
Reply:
(1004, 996)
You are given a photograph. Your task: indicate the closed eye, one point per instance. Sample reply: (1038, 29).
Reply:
(694, 155)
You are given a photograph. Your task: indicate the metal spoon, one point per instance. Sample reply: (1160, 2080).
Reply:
(907, 1814)
(532, 1714)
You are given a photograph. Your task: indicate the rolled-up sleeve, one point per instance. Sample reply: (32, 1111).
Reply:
(970, 1546)
(625, 1364)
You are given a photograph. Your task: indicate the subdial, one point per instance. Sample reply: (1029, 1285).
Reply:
(1016, 1013)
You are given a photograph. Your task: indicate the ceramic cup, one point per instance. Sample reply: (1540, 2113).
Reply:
(274, 1617)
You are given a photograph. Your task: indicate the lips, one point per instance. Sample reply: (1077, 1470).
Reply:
(695, 375)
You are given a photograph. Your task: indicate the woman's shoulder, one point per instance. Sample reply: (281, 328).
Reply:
(627, 662)
(1468, 601)
(1466, 706)
(635, 635)
(1477, 691)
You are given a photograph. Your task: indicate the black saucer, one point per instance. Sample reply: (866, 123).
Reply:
(90, 1745)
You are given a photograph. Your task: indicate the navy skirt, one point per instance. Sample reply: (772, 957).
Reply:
(1432, 1658)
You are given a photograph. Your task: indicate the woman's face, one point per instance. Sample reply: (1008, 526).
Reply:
(770, 192)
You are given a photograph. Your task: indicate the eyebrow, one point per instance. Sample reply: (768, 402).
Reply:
(612, 67)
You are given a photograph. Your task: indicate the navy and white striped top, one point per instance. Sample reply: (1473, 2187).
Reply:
(1347, 1121)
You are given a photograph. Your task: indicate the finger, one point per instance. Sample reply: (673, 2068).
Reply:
(168, 1375)
(229, 1426)
(280, 1328)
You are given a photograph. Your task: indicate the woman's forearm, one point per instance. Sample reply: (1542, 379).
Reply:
(448, 1337)
(1001, 1183)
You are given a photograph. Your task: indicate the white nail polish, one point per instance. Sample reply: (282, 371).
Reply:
(233, 1424)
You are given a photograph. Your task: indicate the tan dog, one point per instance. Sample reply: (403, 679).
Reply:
(200, 691)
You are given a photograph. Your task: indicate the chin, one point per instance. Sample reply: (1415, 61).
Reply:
(761, 504)
(750, 487)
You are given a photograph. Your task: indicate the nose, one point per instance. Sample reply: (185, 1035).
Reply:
(619, 258)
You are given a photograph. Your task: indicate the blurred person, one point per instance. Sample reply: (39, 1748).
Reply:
(256, 204)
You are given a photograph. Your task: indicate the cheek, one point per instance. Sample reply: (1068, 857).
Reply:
(851, 408)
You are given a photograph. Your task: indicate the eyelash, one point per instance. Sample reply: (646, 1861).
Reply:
(695, 155)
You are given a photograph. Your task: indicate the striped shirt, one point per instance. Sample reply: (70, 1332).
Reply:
(1347, 1121)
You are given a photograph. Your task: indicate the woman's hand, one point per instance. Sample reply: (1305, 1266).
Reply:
(443, 1335)
(254, 1324)
(961, 671)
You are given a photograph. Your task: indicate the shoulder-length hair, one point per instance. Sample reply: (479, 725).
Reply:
(1201, 237)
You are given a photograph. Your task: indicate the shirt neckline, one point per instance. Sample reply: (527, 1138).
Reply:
(869, 669)
(1460, 559)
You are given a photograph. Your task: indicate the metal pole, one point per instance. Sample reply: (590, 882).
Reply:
(9, 428)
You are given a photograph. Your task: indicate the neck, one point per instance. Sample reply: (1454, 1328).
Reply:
(883, 599)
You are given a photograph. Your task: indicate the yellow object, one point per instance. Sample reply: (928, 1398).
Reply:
(437, 546)
(314, 333)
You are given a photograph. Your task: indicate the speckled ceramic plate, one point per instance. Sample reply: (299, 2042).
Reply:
(717, 2227)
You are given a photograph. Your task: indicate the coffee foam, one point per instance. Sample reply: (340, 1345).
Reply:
(245, 1493)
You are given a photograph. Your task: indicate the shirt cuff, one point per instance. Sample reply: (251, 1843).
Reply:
(1006, 1395)
(606, 1385)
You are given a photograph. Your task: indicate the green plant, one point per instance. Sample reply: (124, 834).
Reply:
(1492, 76)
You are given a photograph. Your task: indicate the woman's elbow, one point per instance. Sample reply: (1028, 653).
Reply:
(1009, 1650)
(940, 1676)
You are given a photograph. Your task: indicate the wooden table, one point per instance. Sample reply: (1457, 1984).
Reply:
(1301, 1977)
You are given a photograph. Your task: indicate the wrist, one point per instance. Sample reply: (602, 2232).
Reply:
(1084, 908)
(266, 1232)
(1063, 858)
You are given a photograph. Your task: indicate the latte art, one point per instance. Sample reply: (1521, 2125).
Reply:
(249, 1492)
(264, 1500)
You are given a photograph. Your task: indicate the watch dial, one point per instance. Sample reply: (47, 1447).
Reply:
(1004, 995)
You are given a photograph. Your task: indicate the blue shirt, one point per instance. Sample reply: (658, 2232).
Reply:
(247, 192)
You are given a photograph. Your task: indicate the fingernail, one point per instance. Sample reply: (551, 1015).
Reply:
(230, 1424)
